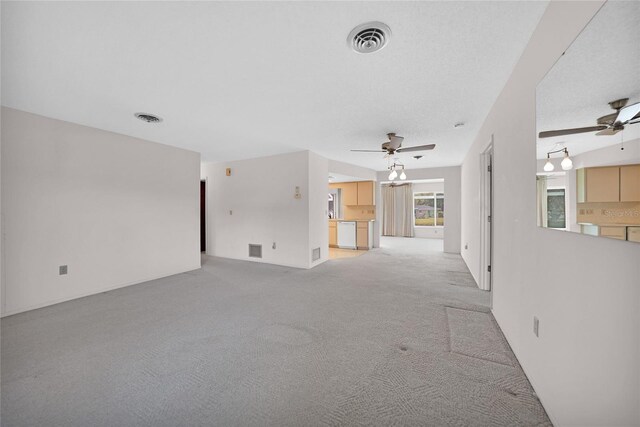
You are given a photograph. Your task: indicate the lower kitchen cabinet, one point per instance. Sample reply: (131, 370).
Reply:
(364, 234)
(333, 233)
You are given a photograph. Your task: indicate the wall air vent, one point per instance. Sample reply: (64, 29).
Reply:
(369, 37)
(149, 118)
(255, 251)
(315, 254)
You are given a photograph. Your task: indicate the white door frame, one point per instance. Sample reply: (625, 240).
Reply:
(486, 208)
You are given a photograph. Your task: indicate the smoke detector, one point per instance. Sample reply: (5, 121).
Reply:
(149, 118)
(370, 37)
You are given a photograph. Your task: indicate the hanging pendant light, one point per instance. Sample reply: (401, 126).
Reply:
(403, 175)
(548, 167)
(566, 163)
(393, 175)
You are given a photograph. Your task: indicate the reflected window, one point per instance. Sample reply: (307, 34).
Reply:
(556, 215)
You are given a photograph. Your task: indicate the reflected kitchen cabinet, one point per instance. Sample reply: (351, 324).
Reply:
(602, 184)
(630, 183)
(608, 184)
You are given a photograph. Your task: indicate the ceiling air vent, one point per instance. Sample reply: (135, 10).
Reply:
(255, 251)
(149, 118)
(369, 37)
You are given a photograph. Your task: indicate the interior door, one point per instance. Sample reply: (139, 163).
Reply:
(203, 217)
(486, 219)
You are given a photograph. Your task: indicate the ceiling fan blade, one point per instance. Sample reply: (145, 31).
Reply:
(370, 151)
(633, 123)
(608, 132)
(416, 148)
(550, 133)
(627, 113)
(395, 141)
(609, 119)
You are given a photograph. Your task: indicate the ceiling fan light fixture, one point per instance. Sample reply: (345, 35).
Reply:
(393, 175)
(567, 163)
(548, 167)
(403, 175)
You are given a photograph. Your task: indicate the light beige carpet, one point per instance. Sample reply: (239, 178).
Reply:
(397, 336)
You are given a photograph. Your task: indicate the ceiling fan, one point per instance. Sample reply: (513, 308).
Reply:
(607, 125)
(393, 146)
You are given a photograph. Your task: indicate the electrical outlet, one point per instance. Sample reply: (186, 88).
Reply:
(230, 212)
(62, 270)
(273, 246)
(466, 246)
(536, 325)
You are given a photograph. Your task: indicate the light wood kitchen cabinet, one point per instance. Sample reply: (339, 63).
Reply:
(333, 233)
(365, 193)
(619, 233)
(602, 184)
(349, 193)
(362, 235)
(630, 183)
(633, 234)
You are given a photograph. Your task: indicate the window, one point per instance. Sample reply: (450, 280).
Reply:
(428, 209)
(555, 208)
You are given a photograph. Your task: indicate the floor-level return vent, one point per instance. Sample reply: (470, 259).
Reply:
(255, 251)
(315, 254)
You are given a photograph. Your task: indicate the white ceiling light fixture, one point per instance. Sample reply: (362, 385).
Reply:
(368, 38)
(394, 171)
(566, 164)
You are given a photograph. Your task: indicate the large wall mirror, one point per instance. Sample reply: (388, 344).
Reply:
(588, 130)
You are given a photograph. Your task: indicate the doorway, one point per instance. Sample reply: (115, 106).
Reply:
(203, 217)
(486, 219)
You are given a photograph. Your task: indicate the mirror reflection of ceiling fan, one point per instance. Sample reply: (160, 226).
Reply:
(607, 125)
(394, 146)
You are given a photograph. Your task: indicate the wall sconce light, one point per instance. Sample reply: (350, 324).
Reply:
(566, 164)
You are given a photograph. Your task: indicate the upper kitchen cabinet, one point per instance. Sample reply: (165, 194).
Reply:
(349, 193)
(630, 183)
(609, 184)
(602, 184)
(366, 193)
(359, 193)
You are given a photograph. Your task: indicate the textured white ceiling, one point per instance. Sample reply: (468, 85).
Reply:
(237, 80)
(601, 65)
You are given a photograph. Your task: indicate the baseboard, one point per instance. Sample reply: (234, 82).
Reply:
(86, 294)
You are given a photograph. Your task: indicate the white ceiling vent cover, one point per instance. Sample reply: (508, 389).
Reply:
(369, 37)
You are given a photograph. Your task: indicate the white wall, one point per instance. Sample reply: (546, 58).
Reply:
(318, 207)
(335, 166)
(451, 176)
(117, 210)
(585, 366)
(256, 205)
(430, 232)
